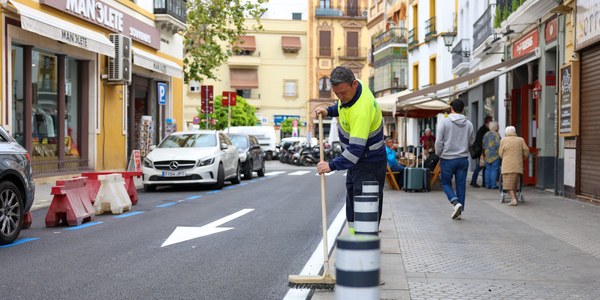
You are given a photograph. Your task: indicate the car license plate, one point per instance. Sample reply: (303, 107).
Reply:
(173, 173)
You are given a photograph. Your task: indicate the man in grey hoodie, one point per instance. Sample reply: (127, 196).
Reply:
(455, 135)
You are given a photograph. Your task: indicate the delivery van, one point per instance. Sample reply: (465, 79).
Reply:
(265, 135)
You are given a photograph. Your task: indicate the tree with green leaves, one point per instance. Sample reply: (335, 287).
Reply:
(212, 27)
(497, 17)
(242, 114)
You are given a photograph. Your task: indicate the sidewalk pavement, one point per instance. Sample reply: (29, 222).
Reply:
(545, 248)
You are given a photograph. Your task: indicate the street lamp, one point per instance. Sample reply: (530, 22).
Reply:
(449, 40)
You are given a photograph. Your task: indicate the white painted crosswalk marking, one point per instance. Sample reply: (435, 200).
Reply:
(274, 173)
(299, 173)
(326, 174)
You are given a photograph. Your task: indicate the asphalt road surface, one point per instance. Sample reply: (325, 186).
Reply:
(180, 243)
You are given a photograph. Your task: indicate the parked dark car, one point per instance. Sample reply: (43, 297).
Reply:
(252, 156)
(16, 187)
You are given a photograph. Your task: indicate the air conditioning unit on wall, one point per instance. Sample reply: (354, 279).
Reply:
(119, 67)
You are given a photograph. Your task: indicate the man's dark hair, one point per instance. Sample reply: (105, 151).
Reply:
(341, 75)
(488, 119)
(457, 106)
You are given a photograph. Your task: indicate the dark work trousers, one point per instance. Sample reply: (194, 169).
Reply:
(363, 171)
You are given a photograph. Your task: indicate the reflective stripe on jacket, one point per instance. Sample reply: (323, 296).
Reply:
(360, 130)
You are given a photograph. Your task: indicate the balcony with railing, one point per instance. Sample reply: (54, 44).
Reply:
(413, 39)
(460, 57)
(325, 51)
(483, 27)
(331, 11)
(171, 15)
(352, 53)
(244, 58)
(430, 30)
(394, 36)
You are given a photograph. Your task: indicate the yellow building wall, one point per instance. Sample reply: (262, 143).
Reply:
(111, 140)
(274, 67)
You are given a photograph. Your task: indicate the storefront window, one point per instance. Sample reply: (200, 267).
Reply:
(44, 104)
(18, 108)
(71, 108)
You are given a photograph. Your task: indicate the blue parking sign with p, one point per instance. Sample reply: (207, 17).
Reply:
(162, 93)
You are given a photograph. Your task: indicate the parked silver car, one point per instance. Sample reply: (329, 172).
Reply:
(17, 188)
(252, 156)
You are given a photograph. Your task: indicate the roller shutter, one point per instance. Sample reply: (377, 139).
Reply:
(589, 165)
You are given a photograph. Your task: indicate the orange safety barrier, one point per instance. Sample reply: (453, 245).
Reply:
(93, 184)
(71, 203)
(27, 220)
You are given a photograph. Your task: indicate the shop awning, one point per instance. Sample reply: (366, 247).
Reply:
(243, 78)
(448, 88)
(156, 63)
(245, 43)
(63, 31)
(388, 102)
(290, 43)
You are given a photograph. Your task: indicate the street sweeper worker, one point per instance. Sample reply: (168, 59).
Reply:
(361, 136)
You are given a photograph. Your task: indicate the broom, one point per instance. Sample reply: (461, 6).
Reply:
(325, 281)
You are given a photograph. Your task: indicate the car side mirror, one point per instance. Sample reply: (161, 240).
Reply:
(224, 146)
(255, 146)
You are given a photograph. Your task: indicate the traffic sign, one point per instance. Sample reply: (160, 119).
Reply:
(162, 93)
(196, 120)
(207, 96)
(229, 98)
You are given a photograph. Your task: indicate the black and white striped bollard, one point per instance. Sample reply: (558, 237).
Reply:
(357, 267)
(366, 209)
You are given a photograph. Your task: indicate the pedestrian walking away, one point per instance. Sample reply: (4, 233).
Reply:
(478, 152)
(513, 150)
(361, 134)
(455, 136)
(491, 144)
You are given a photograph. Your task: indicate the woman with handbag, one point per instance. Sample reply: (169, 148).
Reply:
(513, 150)
(491, 145)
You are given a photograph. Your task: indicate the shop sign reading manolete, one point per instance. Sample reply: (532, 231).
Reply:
(100, 13)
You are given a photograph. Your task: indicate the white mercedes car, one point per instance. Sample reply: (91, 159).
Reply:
(192, 157)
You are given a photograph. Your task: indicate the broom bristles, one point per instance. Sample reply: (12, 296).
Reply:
(326, 282)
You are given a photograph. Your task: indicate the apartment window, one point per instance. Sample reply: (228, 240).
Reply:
(432, 71)
(290, 88)
(324, 87)
(415, 86)
(325, 3)
(324, 43)
(296, 16)
(244, 93)
(352, 44)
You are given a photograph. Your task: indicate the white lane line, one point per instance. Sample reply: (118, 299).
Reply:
(326, 174)
(274, 173)
(299, 173)
(315, 263)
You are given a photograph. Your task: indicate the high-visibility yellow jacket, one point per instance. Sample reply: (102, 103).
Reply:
(360, 130)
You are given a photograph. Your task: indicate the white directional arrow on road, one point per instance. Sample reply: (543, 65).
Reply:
(182, 233)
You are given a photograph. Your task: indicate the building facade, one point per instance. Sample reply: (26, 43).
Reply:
(269, 70)
(78, 75)
(340, 38)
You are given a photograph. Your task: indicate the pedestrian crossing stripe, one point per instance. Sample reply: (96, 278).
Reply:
(326, 174)
(299, 173)
(274, 173)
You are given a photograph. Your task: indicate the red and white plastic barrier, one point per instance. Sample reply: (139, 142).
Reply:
(71, 203)
(94, 184)
(112, 195)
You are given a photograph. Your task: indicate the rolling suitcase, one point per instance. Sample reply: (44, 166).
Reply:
(416, 179)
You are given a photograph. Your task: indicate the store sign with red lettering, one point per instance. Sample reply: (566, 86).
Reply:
(102, 14)
(526, 44)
